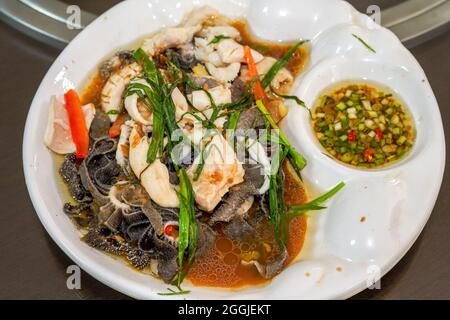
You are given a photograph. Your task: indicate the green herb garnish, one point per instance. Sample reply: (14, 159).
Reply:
(364, 43)
(295, 98)
(280, 64)
(116, 112)
(218, 38)
(174, 293)
(296, 159)
(316, 204)
(188, 228)
(277, 208)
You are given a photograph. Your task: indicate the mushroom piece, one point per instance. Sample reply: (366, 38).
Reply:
(220, 172)
(115, 62)
(69, 173)
(103, 239)
(111, 96)
(154, 177)
(271, 269)
(58, 136)
(99, 170)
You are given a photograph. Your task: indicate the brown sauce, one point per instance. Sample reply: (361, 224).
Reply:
(221, 266)
(276, 50)
(92, 92)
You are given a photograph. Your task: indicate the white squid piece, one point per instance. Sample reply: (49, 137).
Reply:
(169, 38)
(220, 95)
(221, 171)
(58, 136)
(230, 51)
(154, 177)
(224, 74)
(282, 77)
(180, 102)
(123, 146)
(136, 109)
(112, 92)
(221, 54)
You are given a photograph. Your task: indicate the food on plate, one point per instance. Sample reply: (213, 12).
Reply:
(187, 174)
(363, 126)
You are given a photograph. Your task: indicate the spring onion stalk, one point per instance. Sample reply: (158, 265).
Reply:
(172, 292)
(365, 44)
(295, 98)
(316, 204)
(188, 229)
(296, 159)
(277, 208)
(280, 64)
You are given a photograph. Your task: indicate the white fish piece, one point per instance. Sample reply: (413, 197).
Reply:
(137, 110)
(230, 51)
(169, 38)
(205, 52)
(123, 146)
(226, 31)
(114, 88)
(224, 74)
(199, 16)
(221, 171)
(220, 95)
(221, 54)
(57, 136)
(154, 177)
(282, 77)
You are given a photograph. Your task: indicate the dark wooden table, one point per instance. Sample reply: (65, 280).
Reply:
(33, 267)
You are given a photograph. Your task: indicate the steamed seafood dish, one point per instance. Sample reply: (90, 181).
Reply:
(173, 158)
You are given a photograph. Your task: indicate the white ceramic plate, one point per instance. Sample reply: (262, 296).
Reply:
(396, 201)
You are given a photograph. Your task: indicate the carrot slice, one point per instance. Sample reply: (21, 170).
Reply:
(77, 122)
(114, 131)
(258, 89)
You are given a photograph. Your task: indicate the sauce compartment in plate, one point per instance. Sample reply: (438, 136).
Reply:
(363, 125)
(338, 72)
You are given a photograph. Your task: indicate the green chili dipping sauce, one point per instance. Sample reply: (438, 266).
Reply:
(363, 126)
